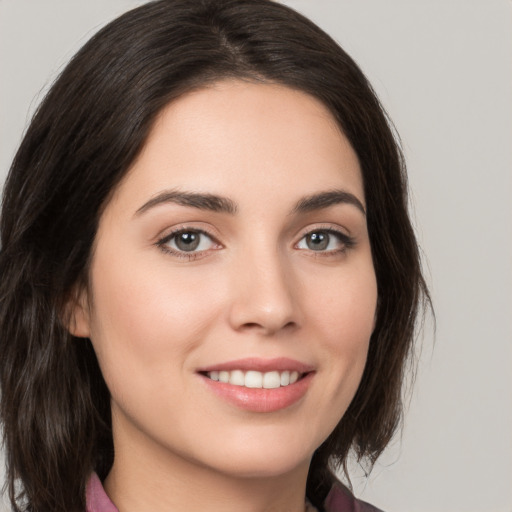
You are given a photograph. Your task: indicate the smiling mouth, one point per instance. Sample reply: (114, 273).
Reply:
(259, 385)
(254, 379)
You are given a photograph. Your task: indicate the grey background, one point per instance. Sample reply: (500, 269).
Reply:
(443, 69)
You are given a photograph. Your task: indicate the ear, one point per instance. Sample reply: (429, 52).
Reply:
(77, 314)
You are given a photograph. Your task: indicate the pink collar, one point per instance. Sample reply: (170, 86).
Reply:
(96, 497)
(338, 499)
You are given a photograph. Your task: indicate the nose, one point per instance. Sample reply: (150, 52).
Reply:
(265, 298)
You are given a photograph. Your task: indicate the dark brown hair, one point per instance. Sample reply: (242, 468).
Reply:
(83, 138)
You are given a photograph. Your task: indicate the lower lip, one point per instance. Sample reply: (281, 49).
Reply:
(260, 399)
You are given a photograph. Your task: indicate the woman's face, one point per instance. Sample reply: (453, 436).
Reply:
(232, 291)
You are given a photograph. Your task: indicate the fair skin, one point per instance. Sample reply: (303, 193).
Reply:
(273, 275)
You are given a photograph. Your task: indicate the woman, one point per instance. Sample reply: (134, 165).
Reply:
(210, 283)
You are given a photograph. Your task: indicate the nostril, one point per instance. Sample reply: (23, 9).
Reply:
(267, 327)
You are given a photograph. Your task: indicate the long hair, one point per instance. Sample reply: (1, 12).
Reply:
(55, 406)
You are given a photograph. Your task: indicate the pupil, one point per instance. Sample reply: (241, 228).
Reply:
(318, 241)
(187, 241)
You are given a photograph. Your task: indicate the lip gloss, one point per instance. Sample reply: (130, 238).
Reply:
(260, 399)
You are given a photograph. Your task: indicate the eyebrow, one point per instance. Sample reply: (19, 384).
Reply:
(201, 201)
(326, 199)
(215, 203)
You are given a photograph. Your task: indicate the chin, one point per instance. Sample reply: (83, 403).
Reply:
(252, 459)
(270, 467)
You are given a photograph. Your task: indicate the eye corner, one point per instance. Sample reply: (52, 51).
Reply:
(197, 243)
(325, 241)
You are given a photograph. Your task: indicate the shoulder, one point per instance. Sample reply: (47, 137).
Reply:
(340, 499)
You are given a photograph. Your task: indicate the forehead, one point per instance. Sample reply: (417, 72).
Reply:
(235, 137)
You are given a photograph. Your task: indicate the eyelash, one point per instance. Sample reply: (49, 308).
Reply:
(187, 255)
(347, 242)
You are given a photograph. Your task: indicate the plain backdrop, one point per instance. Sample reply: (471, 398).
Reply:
(443, 69)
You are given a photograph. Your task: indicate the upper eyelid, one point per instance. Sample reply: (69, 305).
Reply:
(334, 228)
(166, 239)
(163, 241)
(345, 238)
(168, 233)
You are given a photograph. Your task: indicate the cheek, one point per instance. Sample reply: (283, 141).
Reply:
(144, 320)
(343, 321)
(345, 306)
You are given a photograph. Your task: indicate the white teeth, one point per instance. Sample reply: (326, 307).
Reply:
(236, 377)
(271, 380)
(254, 379)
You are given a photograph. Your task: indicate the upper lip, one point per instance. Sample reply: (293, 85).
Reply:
(279, 364)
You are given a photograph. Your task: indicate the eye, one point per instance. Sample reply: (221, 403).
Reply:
(187, 241)
(325, 240)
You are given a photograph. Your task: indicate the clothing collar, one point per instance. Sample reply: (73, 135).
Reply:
(339, 499)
